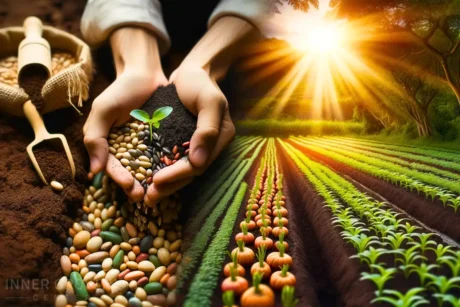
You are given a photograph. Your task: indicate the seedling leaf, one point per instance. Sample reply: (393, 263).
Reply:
(140, 115)
(161, 113)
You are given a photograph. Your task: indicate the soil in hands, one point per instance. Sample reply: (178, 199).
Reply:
(178, 127)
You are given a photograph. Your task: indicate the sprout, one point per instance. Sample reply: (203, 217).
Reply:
(423, 271)
(288, 298)
(408, 299)
(154, 121)
(380, 278)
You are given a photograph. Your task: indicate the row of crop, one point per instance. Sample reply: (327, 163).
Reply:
(449, 156)
(431, 185)
(203, 283)
(365, 145)
(265, 208)
(390, 246)
(432, 146)
(200, 241)
(347, 150)
(213, 192)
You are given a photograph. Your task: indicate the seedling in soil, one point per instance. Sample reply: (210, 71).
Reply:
(441, 251)
(447, 298)
(407, 258)
(154, 121)
(425, 241)
(379, 278)
(288, 298)
(398, 299)
(282, 278)
(371, 256)
(442, 285)
(454, 204)
(423, 271)
(453, 262)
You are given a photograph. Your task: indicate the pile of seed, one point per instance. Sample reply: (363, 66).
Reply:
(108, 261)
(143, 158)
(9, 67)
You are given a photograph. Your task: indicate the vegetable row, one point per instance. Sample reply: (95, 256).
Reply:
(387, 243)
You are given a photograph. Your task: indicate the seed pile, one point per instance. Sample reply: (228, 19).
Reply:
(9, 67)
(131, 145)
(108, 261)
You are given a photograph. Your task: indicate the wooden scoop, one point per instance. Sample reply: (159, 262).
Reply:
(34, 51)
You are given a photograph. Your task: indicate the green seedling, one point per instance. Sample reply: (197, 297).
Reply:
(379, 278)
(398, 299)
(154, 121)
(288, 298)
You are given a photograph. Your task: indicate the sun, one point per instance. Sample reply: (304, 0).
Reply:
(322, 39)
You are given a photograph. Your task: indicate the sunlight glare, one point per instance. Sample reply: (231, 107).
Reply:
(322, 39)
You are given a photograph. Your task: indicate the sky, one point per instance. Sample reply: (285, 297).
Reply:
(293, 22)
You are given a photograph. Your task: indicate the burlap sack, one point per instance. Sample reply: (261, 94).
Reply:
(68, 88)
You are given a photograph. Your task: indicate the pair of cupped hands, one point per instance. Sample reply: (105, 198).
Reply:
(139, 74)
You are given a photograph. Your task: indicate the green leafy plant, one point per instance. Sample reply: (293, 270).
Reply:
(379, 278)
(398, 299)
(154, 121)
(442, 285)
(288, 298)
(447, 298)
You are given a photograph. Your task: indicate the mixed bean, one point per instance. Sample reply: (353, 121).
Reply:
(108, 261)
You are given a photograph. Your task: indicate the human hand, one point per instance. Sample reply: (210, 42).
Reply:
(196, 84)
(139, 73)
(201, 96)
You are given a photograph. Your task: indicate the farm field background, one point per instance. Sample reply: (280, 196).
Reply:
(367, 222)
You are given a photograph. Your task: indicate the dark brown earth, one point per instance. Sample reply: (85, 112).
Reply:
(33, 218)
(179, 126)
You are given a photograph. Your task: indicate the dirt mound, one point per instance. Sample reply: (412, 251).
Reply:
(33, 217)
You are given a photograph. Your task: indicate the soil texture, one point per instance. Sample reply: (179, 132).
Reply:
(179, 126)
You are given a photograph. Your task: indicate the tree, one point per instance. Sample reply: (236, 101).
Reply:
(303, 5)
(434, 25)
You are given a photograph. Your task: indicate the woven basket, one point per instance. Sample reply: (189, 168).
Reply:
(68, 88)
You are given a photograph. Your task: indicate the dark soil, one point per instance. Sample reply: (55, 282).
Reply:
(179, 126)
(336, 275)
(431, 213)
(32, 80)
(34, 218)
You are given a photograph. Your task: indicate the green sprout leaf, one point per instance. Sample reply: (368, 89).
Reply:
(161, 113)
(154, 121)
(140, 115)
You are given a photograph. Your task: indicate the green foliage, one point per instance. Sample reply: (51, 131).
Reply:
(288, 298)
(205, 281)
(397, 299)
(280, 128)
(154, 121)
(380, 278)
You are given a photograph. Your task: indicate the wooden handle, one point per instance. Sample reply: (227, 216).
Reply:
(33, 27)
(35, 120)
(34, 49)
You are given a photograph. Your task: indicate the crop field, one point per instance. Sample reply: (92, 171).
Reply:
(331, 221)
